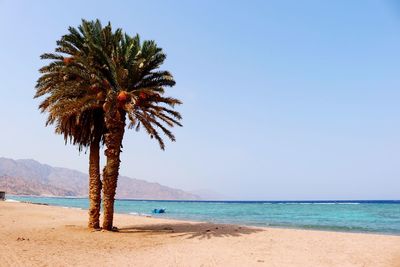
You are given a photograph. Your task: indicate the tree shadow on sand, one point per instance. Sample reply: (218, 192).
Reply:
(192, 230)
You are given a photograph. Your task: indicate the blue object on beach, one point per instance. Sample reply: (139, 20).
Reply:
(159, 211)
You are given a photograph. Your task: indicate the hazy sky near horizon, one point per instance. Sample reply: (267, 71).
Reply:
(282, 99)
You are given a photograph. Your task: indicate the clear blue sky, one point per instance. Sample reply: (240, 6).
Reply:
(282, 99)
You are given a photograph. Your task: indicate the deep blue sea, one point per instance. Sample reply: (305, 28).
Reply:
(348, 216)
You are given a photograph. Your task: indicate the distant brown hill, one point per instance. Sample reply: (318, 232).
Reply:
(29, 177)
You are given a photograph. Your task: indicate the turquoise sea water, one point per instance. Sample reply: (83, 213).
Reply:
(348, 216)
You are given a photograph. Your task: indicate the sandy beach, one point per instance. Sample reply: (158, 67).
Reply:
(37, 235)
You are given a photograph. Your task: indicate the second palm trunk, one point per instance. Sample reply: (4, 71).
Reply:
(115, 123)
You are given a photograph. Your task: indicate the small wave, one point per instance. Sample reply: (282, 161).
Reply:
(296, 203)
(139, 214)
(336, 203)
(320, 203)
(11, 200)
(339, 228)
(73, 208)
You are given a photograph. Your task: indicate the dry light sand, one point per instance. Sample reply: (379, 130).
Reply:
(35, 235)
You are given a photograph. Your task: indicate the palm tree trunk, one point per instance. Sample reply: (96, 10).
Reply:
(115, 124)
(94, 185)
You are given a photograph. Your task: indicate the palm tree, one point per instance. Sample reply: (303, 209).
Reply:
(111, 75)
(134, 90)
(73, 102)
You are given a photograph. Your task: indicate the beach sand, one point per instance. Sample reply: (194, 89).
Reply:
(37, 235)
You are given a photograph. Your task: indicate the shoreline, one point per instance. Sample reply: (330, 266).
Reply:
(38, 235)
(306, 201)
(322, 229)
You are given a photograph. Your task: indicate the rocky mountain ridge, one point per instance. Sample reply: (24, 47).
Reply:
(29, 177)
